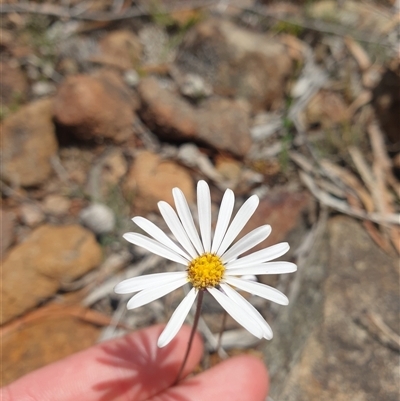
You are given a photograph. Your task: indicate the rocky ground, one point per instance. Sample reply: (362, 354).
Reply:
(106, 106)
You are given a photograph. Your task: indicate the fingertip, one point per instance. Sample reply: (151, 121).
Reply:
(241, 378)
(253, 384)
(257, 372)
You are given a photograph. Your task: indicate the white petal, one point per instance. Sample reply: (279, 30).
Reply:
(261, 290)
(264, 255)
(237, 313)
(224, 217)
(248, 277)
(177, 319)
(159, 235)
(263, 268)
(242, 302)
(204, 210)
(186, 217)
(139, 283)
(240, 220)
(175, 225)
(150, 294)
(154, 247)
(249, 241)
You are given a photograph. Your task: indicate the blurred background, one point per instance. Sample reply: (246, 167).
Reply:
(107, 105)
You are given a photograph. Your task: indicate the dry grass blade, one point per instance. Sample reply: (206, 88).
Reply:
(369, 226)
(358, 53)
(351, 181)
(331, 188)
(362, 99)
(57, 310)
(110, 266)
(363, 169)
(343, 206)
(107, 288)
(374, 324)
(376, 236)
(382, 168)
(302, 162)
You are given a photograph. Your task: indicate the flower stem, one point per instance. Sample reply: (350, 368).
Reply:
(194, 327)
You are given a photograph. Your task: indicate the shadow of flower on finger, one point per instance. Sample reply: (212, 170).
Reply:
(144, 370)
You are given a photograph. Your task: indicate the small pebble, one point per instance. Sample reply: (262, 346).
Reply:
(31, 215)
(195, 87)
(98, 218)
(42, 88)
(131, 78)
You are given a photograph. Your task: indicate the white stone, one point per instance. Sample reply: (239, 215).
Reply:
(131, 78)
(31, 215)
(98, 218)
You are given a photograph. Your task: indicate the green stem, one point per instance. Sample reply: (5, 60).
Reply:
(194, 328)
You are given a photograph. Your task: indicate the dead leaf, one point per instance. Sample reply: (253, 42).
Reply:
(359, 54)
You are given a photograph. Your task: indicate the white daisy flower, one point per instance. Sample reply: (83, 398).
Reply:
(210, 263)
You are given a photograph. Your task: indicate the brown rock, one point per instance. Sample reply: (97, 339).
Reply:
(95, 107)
(27, 143)
(165, 112)
(42, 342)
(7, 223)
(151, 179)
(336, 340)
(219, 123)
(326, 109)
(56, 205)
(237, 62)
(34, 269)
(224, 125)
(13, 85)
(121, 48)
(283, 211)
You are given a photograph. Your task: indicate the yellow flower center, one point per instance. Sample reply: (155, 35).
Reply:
(205, 271)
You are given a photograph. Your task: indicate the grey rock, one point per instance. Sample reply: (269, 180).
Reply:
(338, 339)
(236, 62)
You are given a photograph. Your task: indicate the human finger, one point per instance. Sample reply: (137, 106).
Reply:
(241, 378)
(130, 367)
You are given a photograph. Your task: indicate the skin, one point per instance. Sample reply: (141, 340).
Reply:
(133, 368)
